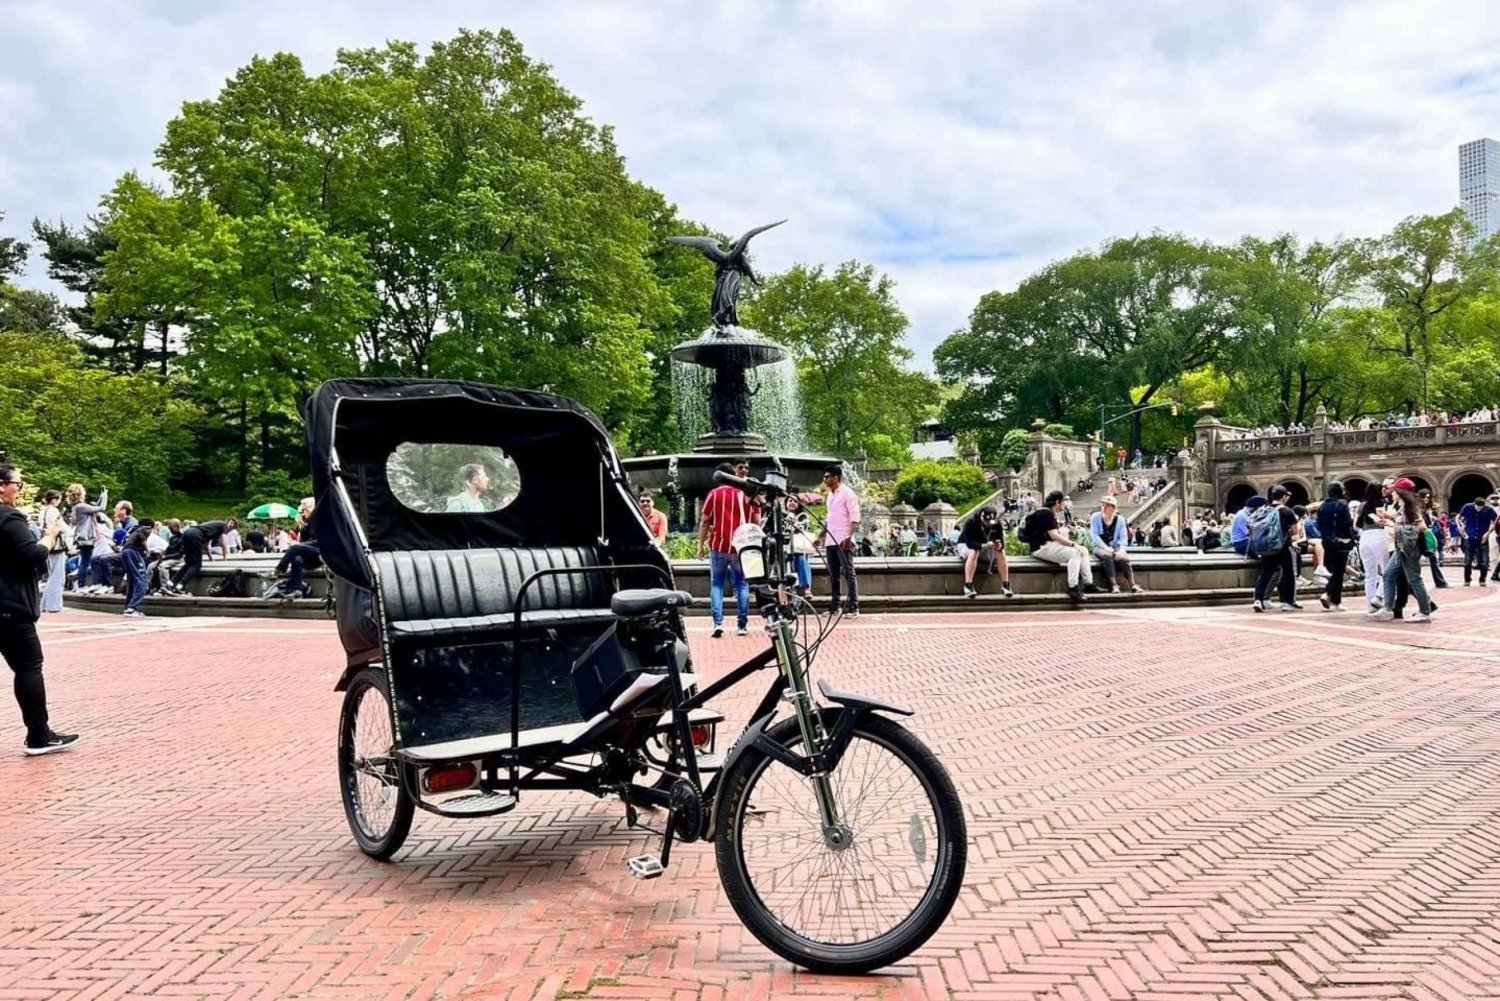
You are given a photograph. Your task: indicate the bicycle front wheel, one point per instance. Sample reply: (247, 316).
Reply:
(867, 898)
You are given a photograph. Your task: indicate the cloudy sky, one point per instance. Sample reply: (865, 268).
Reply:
(957, 146)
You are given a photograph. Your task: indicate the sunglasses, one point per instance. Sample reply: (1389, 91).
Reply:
(12, 483)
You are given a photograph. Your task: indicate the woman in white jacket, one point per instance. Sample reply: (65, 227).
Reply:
(57, 556)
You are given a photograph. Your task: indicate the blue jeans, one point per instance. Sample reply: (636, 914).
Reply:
(135, 578)
(720, 564)
(103, 568)
(804, 572)
(1476, 554)
(85, 557)
(1408, 565)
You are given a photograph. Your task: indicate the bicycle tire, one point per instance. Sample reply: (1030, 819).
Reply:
(906, 935)
(376, 840)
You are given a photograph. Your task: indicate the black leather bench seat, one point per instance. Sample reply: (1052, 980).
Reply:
(535, 619)
(461, 591)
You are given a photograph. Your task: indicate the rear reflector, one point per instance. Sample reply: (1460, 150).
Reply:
(447, 778)
(702, 735)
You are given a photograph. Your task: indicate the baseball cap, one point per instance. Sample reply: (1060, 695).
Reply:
(1108, 499)
(1255, 502)
(1404, 484)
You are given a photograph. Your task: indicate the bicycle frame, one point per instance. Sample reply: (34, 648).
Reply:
(823, 749)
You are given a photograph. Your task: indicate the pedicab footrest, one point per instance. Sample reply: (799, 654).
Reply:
(480, 804)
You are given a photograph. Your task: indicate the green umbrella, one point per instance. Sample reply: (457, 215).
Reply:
(270, 512)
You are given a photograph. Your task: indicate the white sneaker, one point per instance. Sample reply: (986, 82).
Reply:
(969, 592)
(1419, 617)
(1137, 589)
(1321, 572)
(134, 613)
(1383, 615)
(1115, 589)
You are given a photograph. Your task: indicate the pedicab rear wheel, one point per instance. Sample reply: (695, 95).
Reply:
(376, 801)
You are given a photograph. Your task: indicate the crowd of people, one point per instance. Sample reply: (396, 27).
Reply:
(1383, 540)
(98, 549)
(1419, 419)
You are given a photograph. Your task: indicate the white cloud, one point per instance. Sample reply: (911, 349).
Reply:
(958, 146)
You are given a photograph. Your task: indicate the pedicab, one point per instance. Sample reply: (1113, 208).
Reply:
(509, 625)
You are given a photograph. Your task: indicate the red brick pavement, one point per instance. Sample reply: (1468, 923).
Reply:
(1181, 803)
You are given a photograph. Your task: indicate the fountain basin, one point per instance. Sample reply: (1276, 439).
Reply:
(738, 347)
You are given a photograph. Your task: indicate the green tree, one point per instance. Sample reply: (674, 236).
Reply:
(451, 215)
(1283, 293)
(64, 420)
(1422, 269)
(23, 309)
(1089, 329)
(848, 335)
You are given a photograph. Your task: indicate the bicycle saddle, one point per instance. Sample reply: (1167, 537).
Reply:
(637, 602)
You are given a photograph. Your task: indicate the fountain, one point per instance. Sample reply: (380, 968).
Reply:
(732, 354)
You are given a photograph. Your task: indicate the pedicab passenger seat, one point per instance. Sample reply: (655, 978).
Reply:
(464, 592)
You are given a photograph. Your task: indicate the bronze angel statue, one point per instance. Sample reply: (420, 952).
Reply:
(731, 266)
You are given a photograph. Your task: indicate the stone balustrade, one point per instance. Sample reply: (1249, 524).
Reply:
(1479, 433)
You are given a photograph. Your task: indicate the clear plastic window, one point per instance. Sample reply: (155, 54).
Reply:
(452, 479)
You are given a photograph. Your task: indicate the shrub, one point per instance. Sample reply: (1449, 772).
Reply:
(275, 486)
(1064, 431)
(921, 483)
(1014, 448)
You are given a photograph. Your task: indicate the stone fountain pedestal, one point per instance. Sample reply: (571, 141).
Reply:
(687, 477)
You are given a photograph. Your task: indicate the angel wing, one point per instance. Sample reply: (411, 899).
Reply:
(707, 244)
(744, 241)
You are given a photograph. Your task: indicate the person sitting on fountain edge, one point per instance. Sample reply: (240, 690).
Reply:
(983, 532)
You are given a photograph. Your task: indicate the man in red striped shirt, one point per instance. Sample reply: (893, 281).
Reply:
(724, 510)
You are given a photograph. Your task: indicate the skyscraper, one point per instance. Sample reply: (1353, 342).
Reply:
(1479, 185)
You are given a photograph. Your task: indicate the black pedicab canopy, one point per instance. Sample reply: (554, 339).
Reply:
(561, 484)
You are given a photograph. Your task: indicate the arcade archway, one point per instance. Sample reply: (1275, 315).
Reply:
(1238, 494)
(1298, 491)
(1466, 487)
(1355, 486)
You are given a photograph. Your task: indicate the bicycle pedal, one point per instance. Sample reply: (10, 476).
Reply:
(645, 866)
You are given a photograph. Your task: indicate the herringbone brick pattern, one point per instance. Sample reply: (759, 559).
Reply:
(1164, 804)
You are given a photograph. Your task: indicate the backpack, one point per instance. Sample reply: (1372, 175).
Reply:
(1266, 536)
(232, 586)
(1027, 532)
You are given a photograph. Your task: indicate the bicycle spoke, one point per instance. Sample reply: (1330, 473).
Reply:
(867, 888)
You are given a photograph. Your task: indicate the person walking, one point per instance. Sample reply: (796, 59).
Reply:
(1476, 523)
(1434, 555)
(22, 560)
(1374, 548)
(57, 556)
(840, 525)
(1111, 537)
(81, 515)
(1336, 528)
(1406, 561)
(725, 509)
(1049, 541)
(1272, 543)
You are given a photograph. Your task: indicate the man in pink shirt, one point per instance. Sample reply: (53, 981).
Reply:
(840, 525)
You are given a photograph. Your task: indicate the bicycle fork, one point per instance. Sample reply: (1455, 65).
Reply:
(836, 834)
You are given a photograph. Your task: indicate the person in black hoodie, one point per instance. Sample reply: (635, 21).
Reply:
(22, 560)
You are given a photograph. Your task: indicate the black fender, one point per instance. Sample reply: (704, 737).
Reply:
(351, 670)
(839, 721)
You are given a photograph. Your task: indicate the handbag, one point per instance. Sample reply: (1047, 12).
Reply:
(1429, 541)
